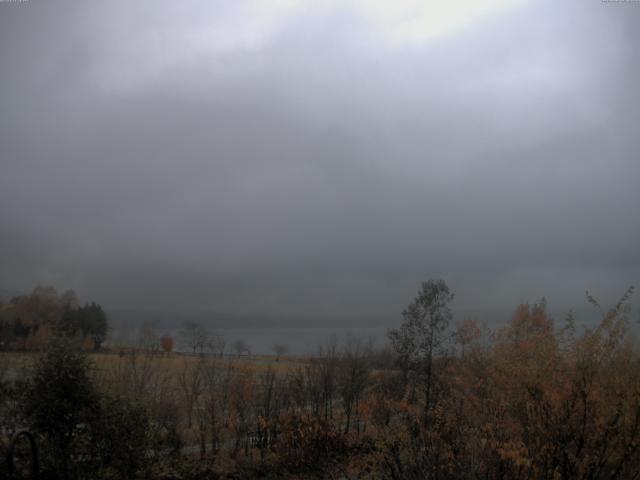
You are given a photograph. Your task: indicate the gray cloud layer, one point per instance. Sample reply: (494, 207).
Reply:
(163, 154)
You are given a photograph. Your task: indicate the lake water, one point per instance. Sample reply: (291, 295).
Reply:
(300, 340)
(301, 336)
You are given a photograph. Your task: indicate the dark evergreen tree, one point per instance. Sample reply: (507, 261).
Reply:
(60, 403)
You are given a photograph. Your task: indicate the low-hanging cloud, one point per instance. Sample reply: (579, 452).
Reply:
(247, 157)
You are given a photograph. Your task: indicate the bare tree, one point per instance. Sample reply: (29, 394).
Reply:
(214, 404)
(241, 347)
(280, 349)
(216, 343)
(194, 336)
(320, 381)
(241, 406)
(148, 338)
(267, 405)
(190, 381)
(353, 378)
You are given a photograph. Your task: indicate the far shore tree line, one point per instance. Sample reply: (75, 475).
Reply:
(192, 338)
(195, 338)
(28, 322)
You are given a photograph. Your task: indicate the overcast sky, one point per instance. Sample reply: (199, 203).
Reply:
(319, 156)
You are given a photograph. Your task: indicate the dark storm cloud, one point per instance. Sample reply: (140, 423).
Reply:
(257, 159)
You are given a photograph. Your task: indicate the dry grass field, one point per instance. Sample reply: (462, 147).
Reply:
(15, 364)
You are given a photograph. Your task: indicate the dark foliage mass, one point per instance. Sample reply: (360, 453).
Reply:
(446, 400)
(27, 322)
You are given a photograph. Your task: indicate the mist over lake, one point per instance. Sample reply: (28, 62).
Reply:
(304, 335)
